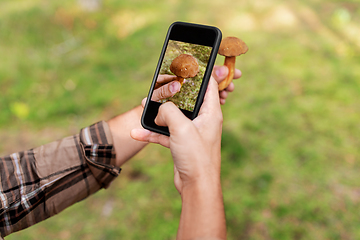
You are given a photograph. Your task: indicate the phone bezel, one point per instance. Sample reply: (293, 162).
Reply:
(189, 33)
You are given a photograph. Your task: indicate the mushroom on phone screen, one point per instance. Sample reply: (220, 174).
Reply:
(184, 66)
(231, 47)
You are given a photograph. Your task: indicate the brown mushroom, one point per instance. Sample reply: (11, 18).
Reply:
(184, 66)
(231, 47)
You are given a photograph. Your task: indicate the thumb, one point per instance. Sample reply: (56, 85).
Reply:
(219, 73)
(211, 100)
(165, 91)
(170, 116)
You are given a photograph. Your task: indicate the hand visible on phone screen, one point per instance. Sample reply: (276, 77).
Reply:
(165, 87)
(220, 73)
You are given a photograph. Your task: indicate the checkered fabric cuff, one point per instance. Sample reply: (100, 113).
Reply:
(99, 152)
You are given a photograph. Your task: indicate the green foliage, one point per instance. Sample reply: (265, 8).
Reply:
(290, 144)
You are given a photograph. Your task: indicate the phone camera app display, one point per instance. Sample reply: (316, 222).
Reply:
(184, 63)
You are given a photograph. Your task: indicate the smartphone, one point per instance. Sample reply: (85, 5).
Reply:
(187, 56)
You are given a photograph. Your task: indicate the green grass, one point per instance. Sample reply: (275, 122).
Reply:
(290, 145)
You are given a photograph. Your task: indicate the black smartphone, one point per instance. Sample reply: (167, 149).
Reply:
(188, 56)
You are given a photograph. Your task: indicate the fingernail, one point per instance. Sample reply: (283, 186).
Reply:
(175, 87)
(220, 71)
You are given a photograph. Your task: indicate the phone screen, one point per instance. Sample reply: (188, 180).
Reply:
(181, 57)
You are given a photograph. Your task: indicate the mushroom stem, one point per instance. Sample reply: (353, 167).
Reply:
(230, 63)
(180, 79)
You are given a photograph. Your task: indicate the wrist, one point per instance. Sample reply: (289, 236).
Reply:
(202, 214)
(120, 127)
(204, 172)
(205, 184)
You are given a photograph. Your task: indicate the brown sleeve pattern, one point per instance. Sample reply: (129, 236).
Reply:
(39, 183)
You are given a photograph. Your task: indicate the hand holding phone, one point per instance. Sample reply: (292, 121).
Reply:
(186, 61)
(195, 148)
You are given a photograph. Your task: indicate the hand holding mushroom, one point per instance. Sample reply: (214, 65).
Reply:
(165, 87)
(231, 47)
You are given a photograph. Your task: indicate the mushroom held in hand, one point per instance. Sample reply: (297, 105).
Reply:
(231, 47)
(184, 66)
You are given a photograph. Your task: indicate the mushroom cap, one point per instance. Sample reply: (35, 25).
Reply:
(232, 47)
(185, 66)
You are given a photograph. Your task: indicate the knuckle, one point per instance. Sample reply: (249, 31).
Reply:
(162, 93)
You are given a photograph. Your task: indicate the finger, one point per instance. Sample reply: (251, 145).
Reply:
(223, 95)
(230, 88)
(143, 102)
(219, 73)
(237, 73)
(169, 115)
(144, 135)
(164, 78)
(166, 91)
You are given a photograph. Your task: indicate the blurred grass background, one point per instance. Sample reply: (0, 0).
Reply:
(290, 167)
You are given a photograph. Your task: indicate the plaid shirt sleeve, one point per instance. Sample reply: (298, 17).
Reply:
(41, 182)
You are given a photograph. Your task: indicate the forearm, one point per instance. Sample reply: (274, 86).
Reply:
(202, 215)
(120, 128)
